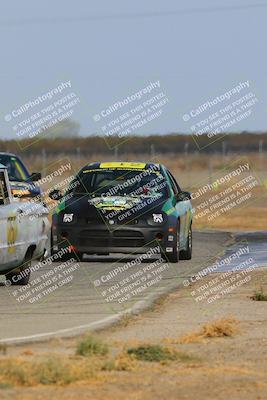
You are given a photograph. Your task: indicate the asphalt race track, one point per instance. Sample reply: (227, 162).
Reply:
(80, 305)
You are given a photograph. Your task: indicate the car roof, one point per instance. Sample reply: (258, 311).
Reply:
(4, 153)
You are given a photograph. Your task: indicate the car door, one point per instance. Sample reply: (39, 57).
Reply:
(183, 209)
(9, 256)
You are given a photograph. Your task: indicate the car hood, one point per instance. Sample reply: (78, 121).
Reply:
(115, 202)
(117, 208)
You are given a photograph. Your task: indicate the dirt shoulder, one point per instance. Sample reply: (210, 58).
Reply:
(233, 366)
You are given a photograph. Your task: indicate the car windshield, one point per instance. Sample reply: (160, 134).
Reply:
(116, 182)
(16, 170)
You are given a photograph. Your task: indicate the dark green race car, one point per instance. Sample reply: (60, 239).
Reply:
(123, 207)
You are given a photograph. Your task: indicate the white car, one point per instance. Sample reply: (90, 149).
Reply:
(24, 229)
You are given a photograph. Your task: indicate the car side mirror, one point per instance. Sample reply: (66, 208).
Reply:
(35, 176)
(183, 196)
(55, 194)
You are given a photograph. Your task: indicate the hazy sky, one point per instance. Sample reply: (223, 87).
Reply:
(110, 49)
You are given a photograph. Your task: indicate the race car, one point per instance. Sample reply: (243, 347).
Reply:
(24, 233)
(123, 207)
(22, 183)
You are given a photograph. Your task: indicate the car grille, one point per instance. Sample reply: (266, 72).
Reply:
(105, 238)
(128, 234)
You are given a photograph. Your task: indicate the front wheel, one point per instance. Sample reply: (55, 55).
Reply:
(22, 275)
(187, 254)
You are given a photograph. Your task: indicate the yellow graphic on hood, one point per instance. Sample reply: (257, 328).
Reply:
(126, 165)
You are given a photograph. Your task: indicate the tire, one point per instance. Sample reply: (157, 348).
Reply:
(187, 254)
(174, 256)
(25, 279)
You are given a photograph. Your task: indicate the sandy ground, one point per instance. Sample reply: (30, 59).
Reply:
(220, 368)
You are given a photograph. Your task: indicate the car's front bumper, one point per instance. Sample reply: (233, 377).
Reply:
(100, 239)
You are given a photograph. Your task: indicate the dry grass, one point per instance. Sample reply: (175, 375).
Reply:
(49, 369)
(52, 369)
(220, 328)
(248, 218)
(27, 352)
(3, 348)
(122, 362)
(61, 370)
(90, 346)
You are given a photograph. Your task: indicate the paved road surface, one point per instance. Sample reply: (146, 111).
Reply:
(250, 247)
(85, 302)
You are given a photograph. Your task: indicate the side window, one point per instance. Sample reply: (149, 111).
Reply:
(4, 198)
(176, 189)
